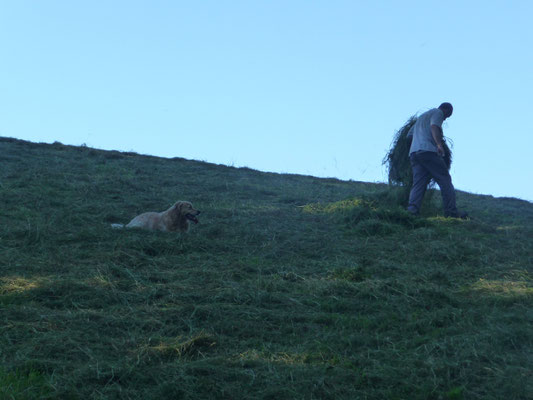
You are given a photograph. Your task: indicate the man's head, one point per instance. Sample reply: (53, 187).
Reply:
(447, 109)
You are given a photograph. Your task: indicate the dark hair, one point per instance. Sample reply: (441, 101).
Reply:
(446, 107)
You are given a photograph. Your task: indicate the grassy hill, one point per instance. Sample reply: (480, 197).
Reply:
(291, 287)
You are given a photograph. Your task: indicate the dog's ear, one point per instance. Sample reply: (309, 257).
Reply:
(175, 208)
(179, 206)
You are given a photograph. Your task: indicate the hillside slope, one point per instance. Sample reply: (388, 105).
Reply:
(291, 287)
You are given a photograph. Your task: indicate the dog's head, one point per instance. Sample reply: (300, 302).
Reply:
(186, 209)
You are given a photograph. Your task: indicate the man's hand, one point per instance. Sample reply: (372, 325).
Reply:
(440, 150)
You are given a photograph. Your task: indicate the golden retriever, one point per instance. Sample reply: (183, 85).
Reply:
(176, 218)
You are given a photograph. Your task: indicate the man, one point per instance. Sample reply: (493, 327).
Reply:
(426, 156)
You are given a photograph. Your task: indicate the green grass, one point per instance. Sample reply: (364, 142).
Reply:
(291, 287)
(24, 386)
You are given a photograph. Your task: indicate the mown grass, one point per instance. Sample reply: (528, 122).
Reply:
(291, 287)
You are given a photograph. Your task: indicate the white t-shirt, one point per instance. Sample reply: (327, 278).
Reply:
(421, 131)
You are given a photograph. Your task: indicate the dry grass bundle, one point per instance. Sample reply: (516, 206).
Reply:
(397, 159)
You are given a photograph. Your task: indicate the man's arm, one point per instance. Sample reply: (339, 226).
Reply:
(436, 132)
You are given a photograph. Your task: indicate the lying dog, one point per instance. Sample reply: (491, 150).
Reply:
(176, 218)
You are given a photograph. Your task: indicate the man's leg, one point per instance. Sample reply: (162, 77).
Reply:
(421, 179)
(435, 165)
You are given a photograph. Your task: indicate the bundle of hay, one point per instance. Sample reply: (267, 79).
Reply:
(398, 164)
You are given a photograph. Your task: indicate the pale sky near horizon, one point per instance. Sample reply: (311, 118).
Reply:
(307, 87)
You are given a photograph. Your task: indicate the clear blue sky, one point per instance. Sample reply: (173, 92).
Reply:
(307, 87)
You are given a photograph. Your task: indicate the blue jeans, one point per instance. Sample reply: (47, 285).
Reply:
(427, 165)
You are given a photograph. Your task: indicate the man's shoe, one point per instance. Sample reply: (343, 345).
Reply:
(412, 211)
